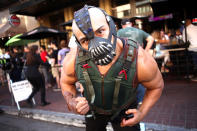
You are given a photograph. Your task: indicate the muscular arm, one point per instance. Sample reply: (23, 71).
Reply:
(68, 78)
(149, 76)
(150, 41)
(76, 104)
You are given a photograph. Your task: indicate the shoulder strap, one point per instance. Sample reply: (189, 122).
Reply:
(89, 86)
(130, 53)
(83, 59)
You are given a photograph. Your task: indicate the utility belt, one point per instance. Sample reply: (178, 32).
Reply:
(113, 116)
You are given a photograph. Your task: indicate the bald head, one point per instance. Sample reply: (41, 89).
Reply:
(99, 25)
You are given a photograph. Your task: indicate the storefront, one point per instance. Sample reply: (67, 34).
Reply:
(53, 13)
(12, 24)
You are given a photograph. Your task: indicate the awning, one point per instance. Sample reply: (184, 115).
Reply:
(41, 7)
(68, 23)
(6, 3)
(42, 32)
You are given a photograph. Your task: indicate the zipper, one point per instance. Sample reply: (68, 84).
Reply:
(102, 90)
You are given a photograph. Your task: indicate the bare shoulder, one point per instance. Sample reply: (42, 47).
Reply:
(147, 68)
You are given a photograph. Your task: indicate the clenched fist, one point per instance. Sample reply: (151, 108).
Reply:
(82, 106)
(76, 104)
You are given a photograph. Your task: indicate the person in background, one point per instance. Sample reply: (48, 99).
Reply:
(62, 52)
(191, 34)
(26, 50)
(179, 36)
(141, 38)
(17, 64)
(34, 76)
(45, 65)
(52, 80)
(2, 65)
(164, 38)
(2, 77)
(160, 52)
(54, 65)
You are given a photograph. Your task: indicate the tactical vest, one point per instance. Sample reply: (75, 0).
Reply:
(116, 90)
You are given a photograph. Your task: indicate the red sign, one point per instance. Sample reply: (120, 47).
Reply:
(14, 20)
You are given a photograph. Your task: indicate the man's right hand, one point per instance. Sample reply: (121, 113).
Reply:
(82, 106)
(76, 104)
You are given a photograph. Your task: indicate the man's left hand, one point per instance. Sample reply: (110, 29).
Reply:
(132, 121)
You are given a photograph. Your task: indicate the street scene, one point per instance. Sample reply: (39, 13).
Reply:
(98, 65)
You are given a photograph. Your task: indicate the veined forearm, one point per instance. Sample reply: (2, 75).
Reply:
(150, 98)
(70, 100)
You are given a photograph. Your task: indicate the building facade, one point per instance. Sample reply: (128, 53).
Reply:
(52, 13)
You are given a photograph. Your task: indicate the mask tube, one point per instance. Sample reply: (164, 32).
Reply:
(101, 51)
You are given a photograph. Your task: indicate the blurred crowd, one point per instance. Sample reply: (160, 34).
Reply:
(40, 65)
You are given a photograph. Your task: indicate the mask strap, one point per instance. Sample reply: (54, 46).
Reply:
(112, 30)
(78, 43)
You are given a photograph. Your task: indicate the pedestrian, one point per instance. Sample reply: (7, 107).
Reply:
(5, 66)
(17, 64)
(109, 70)
(160, 50)
(34, 76)
(191, 34)
(54, 65)
(24, 69)
(51, 79)
(44, 65)
(138, 35)
(62, 52)
(141, 37)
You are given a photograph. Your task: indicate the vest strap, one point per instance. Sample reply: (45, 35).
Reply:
(129, 57)
(130, 101)
(116, 92)
(90, 89)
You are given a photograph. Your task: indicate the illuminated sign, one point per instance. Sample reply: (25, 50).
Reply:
(162, 17)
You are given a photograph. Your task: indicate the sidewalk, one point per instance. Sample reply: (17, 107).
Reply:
(175, 111)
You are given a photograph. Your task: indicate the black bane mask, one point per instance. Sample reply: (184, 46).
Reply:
(101, 50)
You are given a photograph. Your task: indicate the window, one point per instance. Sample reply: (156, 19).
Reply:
(123, 11)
